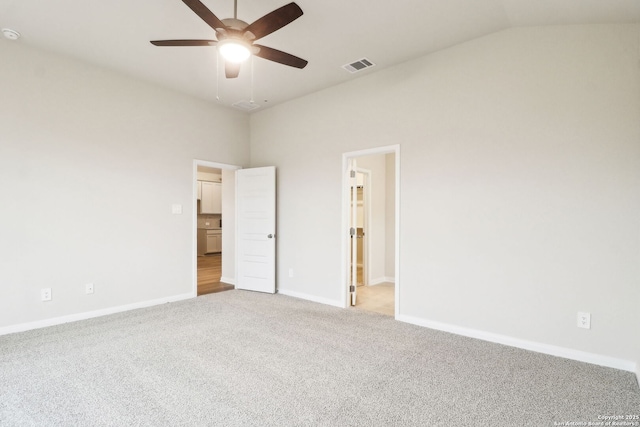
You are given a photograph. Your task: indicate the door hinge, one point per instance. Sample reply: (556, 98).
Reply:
(352, 288)
(352, 174)
(352, 232)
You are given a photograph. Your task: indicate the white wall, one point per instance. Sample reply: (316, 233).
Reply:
(229, 226)
(638, 366)
(520, 177)
(90, 165)
(390, 217)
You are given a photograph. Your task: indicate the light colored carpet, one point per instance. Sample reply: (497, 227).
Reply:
(247, 359)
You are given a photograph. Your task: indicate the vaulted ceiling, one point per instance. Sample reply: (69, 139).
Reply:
(331, 33)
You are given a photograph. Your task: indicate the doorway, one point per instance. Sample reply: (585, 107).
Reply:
(360, 209)
(214, 227)
(371, 221)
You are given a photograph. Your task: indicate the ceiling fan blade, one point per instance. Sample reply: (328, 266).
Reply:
(281, 57)
(184, 42)
(274, 20)
(231, 70)
(204, 13)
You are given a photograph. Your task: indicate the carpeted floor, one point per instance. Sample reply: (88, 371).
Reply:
(246, 359)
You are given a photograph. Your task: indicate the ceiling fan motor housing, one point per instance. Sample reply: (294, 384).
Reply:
(235, 24)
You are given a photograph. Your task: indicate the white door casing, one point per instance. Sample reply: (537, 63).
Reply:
(256, 229)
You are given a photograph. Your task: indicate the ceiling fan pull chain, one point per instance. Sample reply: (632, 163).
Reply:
(251, 100)
(217, 75)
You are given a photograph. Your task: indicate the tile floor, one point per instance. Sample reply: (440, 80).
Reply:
(379, 298)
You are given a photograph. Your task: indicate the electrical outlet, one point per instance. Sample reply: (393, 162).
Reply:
(291, 272)
(88, 288)
(584, 320)
(45, 294)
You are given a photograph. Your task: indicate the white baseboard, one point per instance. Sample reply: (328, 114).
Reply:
(90, 314)
(381, 280)
(313, 298)
(228, 280)
(567, 353)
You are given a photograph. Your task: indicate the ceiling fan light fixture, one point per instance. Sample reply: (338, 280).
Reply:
(234, 50)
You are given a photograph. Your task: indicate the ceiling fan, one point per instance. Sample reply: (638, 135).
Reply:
(235, 38)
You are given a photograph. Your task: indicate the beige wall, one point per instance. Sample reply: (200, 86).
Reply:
(91, 163)
(520, 170)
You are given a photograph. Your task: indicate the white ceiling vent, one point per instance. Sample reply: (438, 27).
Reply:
(246, 105)
(359, 65)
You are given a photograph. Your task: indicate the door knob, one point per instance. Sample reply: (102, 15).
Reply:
(270, 236)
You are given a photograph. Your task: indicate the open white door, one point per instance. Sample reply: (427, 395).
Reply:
(256, 229)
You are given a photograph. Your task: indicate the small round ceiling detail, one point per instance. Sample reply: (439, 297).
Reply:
(10, 34)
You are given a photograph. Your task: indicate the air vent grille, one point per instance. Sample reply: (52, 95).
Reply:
(359, 65)
(246, 105)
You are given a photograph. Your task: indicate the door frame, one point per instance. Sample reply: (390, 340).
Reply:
(194, 228)
(346, 207)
